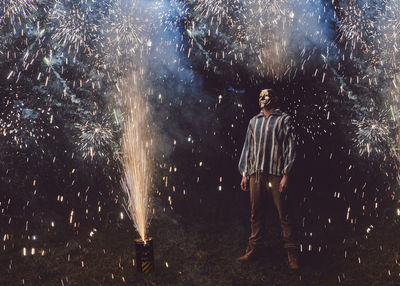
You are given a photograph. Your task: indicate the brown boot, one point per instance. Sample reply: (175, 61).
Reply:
(250, 255)
(293, 257)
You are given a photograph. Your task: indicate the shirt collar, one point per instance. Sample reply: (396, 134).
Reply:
(277, 112)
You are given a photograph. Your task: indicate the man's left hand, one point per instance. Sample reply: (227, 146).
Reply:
(283, 184)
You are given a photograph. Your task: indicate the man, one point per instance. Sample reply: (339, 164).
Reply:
(267, 158)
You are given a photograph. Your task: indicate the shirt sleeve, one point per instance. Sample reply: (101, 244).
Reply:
(244, 161)
(289, 152)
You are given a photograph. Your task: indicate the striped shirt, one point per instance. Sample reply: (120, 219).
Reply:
(269, 145)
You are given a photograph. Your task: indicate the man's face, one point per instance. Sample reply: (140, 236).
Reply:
(264, 98)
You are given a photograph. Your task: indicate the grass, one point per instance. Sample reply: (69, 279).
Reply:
(198, 251)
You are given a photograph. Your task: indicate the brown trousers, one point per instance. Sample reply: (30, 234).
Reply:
(261, 185)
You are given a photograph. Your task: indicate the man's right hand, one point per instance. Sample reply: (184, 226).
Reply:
(243, 184)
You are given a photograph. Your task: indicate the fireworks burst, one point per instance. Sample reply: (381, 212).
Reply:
(216, 11)
(96, 139)
(372, 136)
(240, 28)
(273, 55)
(14, 11)
(76, 24)
(124, 33)
(136, 181)
(369, 30)
(358, 22)
(23, 125)
(126, 26)
(371, 26)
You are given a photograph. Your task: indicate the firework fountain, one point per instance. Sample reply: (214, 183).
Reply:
(136, 151)
(136, 181)
(132, 50)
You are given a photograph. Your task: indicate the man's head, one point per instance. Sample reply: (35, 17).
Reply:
(267, 99)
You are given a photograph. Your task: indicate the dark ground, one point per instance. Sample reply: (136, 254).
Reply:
(199, 249)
